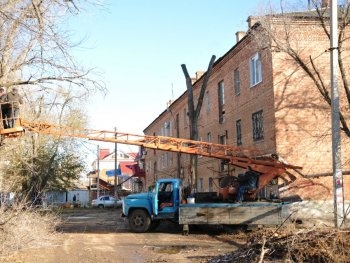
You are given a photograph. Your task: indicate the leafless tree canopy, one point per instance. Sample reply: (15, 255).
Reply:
(281, 35)
(35, 55)
(35, 51)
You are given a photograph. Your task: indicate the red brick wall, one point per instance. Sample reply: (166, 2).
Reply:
(296, 120)
(303, 121)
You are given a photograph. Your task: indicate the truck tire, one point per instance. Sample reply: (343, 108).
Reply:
(139, 221)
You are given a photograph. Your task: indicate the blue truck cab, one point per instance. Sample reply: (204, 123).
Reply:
(145, 210)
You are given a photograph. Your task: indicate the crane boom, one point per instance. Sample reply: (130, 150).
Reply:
(268, 166)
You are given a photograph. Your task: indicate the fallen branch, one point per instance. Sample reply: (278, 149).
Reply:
(263, 251)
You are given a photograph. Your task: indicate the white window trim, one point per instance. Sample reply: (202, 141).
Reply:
(255, 70)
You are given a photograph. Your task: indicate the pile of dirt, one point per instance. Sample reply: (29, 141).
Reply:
(312, 245)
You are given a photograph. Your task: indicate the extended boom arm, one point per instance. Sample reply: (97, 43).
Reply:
(268, 166)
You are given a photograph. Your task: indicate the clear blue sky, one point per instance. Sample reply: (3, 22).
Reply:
(139, 46)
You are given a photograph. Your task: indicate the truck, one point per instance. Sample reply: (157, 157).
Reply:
(168, 200)
(165, 201)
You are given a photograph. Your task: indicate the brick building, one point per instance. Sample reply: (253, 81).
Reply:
(259, 98)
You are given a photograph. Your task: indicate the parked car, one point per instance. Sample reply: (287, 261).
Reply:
(106, 201)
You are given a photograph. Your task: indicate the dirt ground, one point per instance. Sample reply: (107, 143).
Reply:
(101, 235)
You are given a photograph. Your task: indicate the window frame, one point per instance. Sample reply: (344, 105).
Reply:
(166, 129)
(165, 160)
(237, 81)
(185, 118)
(221, 101)
(201, 184)
(207, 102)
(209, 137)
(255, 69)
(239, 132)
(258, 125)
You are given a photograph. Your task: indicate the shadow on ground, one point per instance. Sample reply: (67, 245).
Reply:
(90, 220)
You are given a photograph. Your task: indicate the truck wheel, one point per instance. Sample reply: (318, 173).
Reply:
(139, 221)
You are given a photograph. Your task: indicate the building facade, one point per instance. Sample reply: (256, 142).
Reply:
(259, 98)
(104, 169)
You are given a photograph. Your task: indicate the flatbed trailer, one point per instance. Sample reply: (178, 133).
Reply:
(247, 213)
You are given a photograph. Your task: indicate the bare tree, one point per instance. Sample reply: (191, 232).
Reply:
(278, 32)
(35, 55)
(35, 50)
(194, 112)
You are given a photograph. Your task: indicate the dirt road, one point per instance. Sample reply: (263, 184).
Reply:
(101, 235)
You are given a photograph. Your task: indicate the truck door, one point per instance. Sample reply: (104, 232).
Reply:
(155, 200)
(164, 198)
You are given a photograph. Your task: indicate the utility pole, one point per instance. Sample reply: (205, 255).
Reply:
(115, 164)
(339, 211)
(98, 171)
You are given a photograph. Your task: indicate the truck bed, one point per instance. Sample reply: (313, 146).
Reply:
(250, 213)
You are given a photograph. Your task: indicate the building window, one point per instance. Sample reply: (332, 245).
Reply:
(221, 93)
(165, 160)
(258, 125)
(222, 139)
(223, 166)
(208, 137)
(185, 118)
(201, 185)
(237, 82)
(211, 183)
(166, 129)
(221, 97)
(255, 70)
(239, 132)
(207, 102)
(177, 122)
(155, 171)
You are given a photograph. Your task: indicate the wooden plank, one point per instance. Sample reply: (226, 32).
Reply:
(193, 215)
(219, 215)
(254, 215)
(231, 214)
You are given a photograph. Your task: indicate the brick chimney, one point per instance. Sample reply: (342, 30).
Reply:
(103, 153)
(239, 35)
(251, 21)
(199, 74)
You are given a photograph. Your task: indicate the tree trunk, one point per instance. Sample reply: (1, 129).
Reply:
(194, 112)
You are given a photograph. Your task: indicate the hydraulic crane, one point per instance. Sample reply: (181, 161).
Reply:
(269, 167)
